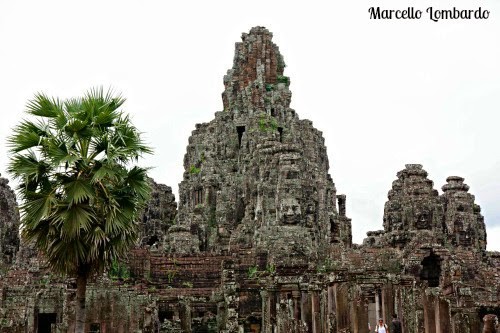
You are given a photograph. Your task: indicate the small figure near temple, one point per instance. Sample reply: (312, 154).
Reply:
(381, 327)
(395, 324)
(490, 323)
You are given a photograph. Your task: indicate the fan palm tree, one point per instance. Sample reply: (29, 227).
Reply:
(80, 193)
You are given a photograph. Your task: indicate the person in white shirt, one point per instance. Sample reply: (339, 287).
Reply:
(381, 327)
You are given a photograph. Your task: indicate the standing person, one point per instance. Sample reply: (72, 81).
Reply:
(395, 324)
(381, 327)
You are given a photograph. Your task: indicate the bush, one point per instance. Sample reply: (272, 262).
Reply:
(194, 170)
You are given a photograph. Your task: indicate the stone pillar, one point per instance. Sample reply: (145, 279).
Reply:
(266, 311)
(342, 305)
(437, 317)
(399, 308)
(362, 314)
(306, 310)
(388, 300)
(383, 310)
(377, 304)
(429, 313)
(316, 322)
(323, 303)
(272, 308)
(443, 318)
(331, 300)
(185, 315)
(296, 304)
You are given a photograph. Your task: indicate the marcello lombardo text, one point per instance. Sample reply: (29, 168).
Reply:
(410, 13)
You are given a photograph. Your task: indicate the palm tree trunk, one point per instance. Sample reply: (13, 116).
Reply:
(81, 288)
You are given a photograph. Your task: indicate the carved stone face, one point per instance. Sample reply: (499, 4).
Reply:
(290, 212)
(394, 221)
(423, 219)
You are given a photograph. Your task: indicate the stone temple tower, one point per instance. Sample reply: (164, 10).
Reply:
(413, 207)
(415, 210)
(464, 223)
(256, 176)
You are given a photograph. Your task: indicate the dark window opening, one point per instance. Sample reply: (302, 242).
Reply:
(95, 328)
(168, 315)
(460, 208)
(240, 210)
(152, 240)
(212, 196)
(240, 130)
(273, 114)
(203, 239)
(198, 197)
(280, 130)
(342, 202)
(334, 231)
(431, 270)
(484, 310)
(45, 321)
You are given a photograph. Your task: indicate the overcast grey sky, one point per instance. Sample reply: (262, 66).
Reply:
(384, 93)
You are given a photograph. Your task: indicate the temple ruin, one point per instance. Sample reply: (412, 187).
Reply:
(260, 240)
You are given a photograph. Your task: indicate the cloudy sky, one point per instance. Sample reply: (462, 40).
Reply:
(384, 93)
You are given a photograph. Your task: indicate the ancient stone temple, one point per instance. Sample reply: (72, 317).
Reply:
(257, 176)
(260, 240)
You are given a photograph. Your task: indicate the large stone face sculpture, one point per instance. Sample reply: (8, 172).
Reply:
(257, 174)
(413, 206)
(464, 222)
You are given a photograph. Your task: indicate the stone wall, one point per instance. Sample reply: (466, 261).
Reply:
(9, 225)
(158, 216)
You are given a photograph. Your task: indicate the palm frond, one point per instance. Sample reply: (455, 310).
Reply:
(27, 135)
(36, 210)
(104, 171)
(76, 218)
(28, 167)
(137, 181)
(64, 256)
(58, 152)
(44, 106)
(78, 191)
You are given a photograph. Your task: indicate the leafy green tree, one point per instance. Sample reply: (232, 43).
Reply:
(80, 193)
